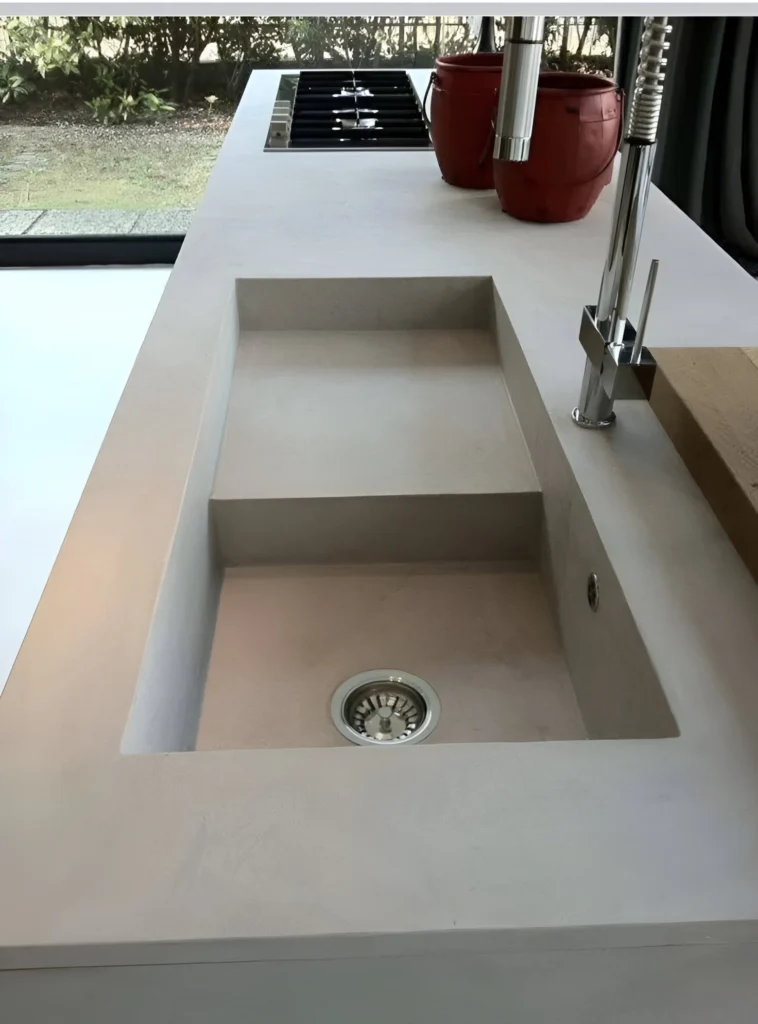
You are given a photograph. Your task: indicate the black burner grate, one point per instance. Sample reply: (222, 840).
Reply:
(357, 110)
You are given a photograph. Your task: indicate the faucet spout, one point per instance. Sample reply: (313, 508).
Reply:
(522, 56)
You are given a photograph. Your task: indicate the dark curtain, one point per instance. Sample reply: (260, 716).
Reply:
(707, 158)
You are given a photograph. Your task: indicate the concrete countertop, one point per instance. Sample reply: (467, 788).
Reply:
(232, 855)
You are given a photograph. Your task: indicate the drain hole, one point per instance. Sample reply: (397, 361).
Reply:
(385, 711)
(385, 707)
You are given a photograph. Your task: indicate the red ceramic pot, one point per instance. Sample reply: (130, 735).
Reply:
(464, 103)
(578, 122)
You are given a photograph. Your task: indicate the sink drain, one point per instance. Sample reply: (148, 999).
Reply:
(385, 707)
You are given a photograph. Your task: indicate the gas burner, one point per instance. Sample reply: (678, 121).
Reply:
(372, 109)
(359, 124)
(355, 93)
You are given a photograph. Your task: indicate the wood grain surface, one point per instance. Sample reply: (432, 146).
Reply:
(707, 401)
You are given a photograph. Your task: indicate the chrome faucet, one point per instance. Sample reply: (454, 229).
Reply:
(522, 55)
(618, 364)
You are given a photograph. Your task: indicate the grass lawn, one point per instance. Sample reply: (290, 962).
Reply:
(69, 166)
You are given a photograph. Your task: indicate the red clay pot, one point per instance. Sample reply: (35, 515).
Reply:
(578, 122)
(464, 103)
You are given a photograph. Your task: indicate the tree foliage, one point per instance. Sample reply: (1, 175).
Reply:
(121, 66)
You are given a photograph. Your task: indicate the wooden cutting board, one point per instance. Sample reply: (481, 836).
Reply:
(707, 401)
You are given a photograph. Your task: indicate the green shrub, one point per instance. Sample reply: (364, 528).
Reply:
(34, 42)
(115, 103)
(14, 87)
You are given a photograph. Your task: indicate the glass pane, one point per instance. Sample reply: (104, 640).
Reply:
(111, 126)
(580, 44)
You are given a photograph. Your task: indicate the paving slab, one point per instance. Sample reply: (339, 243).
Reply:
(18, 222)
(163, 222)
(84, 222)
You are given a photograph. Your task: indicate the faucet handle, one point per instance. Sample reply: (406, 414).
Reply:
(647, 299)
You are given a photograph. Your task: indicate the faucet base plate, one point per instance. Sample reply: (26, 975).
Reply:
(584, 421)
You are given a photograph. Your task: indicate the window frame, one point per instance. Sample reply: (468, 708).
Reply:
(22, 251)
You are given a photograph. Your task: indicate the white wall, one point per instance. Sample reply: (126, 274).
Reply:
(68, 341)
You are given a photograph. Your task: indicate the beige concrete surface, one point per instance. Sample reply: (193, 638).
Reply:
(480, 634)
(344, 413)
(379, 528)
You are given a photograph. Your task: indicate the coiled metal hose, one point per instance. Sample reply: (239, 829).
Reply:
(648, 87)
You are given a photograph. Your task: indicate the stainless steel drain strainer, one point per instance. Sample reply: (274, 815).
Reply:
(385, 706)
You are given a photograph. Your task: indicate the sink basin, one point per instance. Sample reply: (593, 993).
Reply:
(480, 633)
(387, 489)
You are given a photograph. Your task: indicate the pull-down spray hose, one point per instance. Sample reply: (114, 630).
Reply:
(648, 87)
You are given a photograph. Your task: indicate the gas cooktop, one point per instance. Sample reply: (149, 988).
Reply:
(347, 110)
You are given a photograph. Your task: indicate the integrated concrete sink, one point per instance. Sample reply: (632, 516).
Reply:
(388, 491)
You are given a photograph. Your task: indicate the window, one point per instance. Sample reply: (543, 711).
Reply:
(109, 127)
